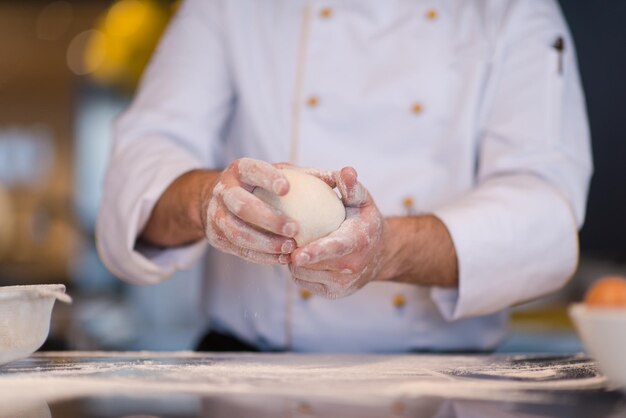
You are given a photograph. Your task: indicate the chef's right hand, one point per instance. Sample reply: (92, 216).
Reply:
(237, 222)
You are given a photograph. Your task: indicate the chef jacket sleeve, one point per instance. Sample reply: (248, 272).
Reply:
(171, 127)
(516, 231)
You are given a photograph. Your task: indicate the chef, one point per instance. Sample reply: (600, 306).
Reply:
(454, 130)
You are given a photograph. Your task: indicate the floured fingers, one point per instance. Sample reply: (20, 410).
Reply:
(257, 173)
(243, 235)
(254, 211)
(353, 193)
(222, 243)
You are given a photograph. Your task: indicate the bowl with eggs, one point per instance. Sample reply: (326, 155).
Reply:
(25, 313)
(601, 324)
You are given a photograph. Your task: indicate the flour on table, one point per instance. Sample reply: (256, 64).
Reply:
(362, 378)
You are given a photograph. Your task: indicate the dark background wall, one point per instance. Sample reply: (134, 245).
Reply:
(599, 30)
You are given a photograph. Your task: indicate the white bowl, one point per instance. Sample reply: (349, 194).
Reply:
(25, 318)
(603, 331)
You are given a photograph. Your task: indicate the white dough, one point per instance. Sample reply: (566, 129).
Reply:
(311, 202)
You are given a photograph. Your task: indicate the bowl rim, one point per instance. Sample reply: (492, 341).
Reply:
(36, 291)
(581, 309)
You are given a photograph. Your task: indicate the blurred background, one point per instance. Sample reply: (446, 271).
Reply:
(67, 68)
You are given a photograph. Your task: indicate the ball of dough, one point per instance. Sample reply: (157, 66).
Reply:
(311, 202)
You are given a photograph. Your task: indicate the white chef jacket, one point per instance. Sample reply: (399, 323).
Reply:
(464, 109)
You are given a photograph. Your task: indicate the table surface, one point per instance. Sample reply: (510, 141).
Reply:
(184, 384)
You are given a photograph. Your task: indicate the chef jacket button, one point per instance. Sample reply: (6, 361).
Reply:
(417, 108)
(313, 101)
(408, 204)
(398, 408)
(326, 13)
(305, 294)
(432, 14)
(304, 408)
(399, 301)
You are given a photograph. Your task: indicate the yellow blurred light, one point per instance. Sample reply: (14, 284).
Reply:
(115, 65)
(131, 30)
(126, 17)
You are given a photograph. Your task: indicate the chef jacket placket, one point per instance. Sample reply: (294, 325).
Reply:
(307, 314)
(315, 40)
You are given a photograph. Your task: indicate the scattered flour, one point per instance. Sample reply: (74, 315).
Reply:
(362, 378)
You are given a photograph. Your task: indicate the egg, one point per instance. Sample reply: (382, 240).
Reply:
(608, 292)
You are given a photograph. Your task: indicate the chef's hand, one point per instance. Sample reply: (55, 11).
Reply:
(346, 260)
(237, 222)
(201, 203)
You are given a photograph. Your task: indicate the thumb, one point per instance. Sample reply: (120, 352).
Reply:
(353, 193)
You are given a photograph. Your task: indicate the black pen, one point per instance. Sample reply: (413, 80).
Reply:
(559, 45)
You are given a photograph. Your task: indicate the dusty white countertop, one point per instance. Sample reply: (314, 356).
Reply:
(364, 384)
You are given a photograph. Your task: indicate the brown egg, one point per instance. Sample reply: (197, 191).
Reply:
(608, 292)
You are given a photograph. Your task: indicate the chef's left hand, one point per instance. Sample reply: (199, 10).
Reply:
(346, 260)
